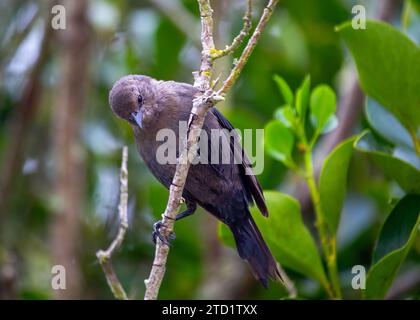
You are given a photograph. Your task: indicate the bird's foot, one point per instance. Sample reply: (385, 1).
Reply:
(157, 234)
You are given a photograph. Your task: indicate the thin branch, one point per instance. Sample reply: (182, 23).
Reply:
(239, 65)
(201, 105)
(104, 256)
(240, 37)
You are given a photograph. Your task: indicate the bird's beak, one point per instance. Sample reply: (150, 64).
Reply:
(138, 117)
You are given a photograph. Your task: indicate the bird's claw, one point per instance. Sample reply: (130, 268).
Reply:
(157, 234)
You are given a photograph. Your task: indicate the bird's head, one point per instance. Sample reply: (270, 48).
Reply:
(134, 98)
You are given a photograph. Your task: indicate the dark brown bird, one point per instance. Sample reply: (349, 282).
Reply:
(224, 190)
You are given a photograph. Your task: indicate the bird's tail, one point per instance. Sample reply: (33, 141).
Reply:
(252, 248)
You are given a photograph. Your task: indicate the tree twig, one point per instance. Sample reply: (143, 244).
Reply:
(105, 256)
(239, 65)
(201, 105)
(241, 36)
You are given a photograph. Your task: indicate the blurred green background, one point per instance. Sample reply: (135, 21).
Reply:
(156, 38)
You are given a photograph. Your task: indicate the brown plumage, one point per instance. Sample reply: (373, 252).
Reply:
(224, 190)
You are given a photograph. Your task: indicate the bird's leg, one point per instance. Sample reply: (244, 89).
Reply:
(156, 233)
(191, 207)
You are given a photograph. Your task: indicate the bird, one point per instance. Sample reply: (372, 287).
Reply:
(222, 189)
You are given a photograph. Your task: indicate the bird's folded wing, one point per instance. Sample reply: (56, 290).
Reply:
(249, 181)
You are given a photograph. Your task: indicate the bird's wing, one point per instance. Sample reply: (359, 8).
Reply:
(250, 182)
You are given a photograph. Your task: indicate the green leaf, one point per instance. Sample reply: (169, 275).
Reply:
(331, 124)
(286, 115)
(405, 170)
(302, 97)
(323, 105)
(284, 89)
(398, 226)
(288, 237)
(333, 182)
(279, 141)
(395, 240)
(388, 63)
(381, 120)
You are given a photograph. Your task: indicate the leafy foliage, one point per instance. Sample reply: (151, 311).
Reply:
(139, 38)
(388, 63)
(275, 131)
(285, 227)
(333, 182)
(390, 162)
(395, 239)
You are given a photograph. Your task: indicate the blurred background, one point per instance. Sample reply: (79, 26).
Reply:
(60, 144)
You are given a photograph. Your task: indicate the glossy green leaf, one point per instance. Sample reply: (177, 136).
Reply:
(388, 63)
(395, 240)
(331, 124)
(381, 120)
(287, 237)
(284, 89)
(333, 182)
(302, 97)
(323, 105)
(392, 162)
(286, 115)
(279, 141)
(286, 234)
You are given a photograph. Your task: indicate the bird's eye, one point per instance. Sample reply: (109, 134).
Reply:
(140, 100)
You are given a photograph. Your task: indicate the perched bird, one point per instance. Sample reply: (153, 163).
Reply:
(222, 189)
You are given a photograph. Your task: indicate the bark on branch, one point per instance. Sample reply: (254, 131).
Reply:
(242, 34)
(201, 105)
(104, 256)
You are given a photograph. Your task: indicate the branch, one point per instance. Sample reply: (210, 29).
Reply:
(239, 65)
(240, 37)
(201, 105)
(104, 256)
